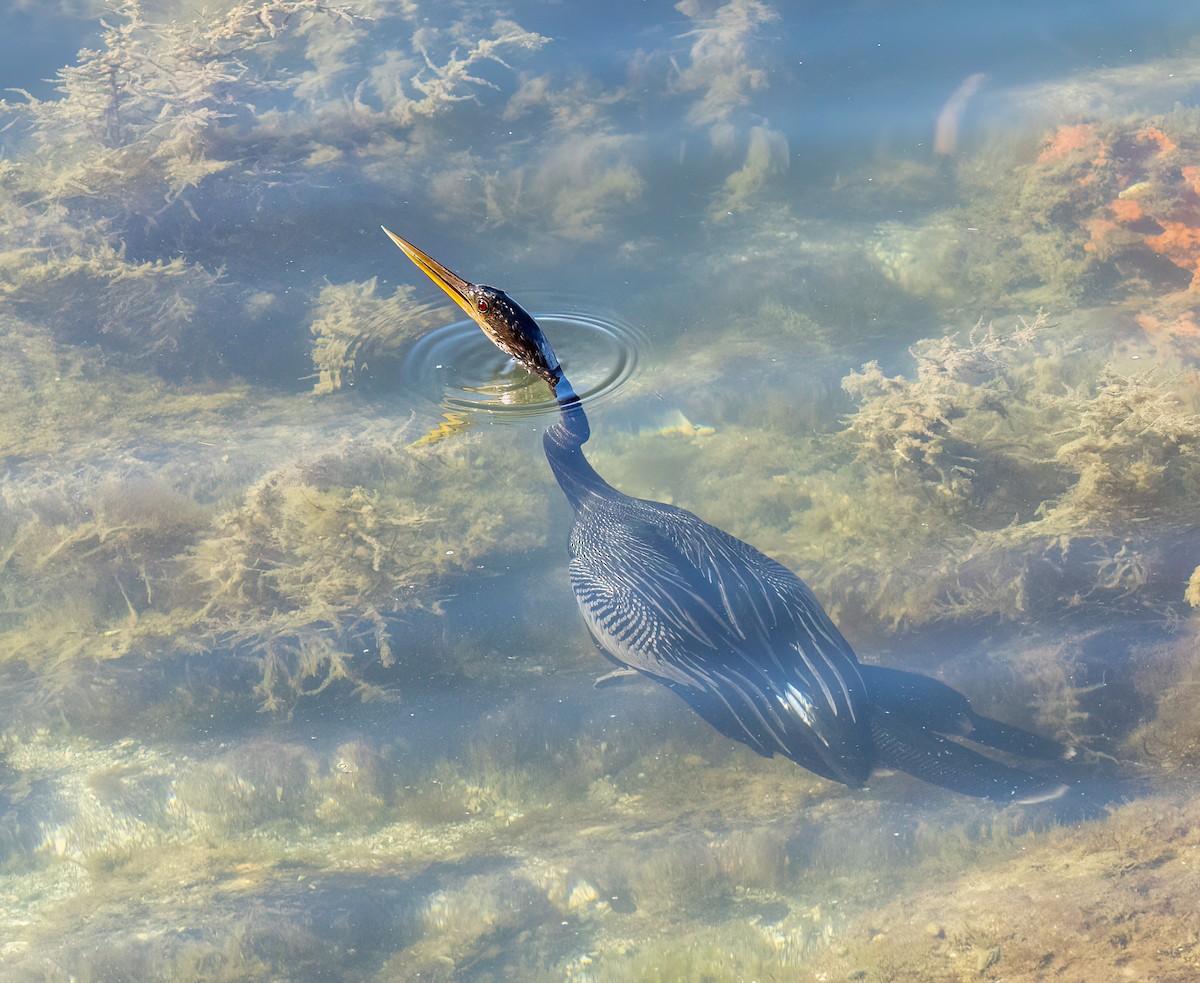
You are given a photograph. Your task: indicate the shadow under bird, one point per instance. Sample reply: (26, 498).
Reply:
(735, 634)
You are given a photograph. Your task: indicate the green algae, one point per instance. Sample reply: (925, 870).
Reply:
(771, 898)
(103, 563)
(351, 320)
(149, 309)
(115, 544)
(1001, 444)
(1168, 681)
(504, 862)
(308, 568)
(67, 404)
(159, 107)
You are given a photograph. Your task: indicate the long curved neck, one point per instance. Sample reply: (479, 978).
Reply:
(563, 443)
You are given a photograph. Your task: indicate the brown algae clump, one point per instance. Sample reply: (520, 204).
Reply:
(92, 564)
(351, 322)
(148, 519)
(1002, 448)
(323, 549)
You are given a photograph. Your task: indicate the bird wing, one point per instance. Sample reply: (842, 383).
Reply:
(735, 633)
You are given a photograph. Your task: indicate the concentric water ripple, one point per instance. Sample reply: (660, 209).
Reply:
(456, 366)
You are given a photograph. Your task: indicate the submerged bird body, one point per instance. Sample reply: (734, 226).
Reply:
(738, 636)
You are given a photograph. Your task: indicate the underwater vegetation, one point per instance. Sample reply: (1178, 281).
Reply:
(1007, 479)
(1011, 443)
(350, 317)
(349, 861)
(121, 349)
(298, 572)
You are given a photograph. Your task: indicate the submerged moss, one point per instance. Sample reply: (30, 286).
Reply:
(95, 569)
(351, 321)
(999, 451)
(67, 407)
(1168, 677)
(1192, 593)
(146, 116)
(146, 520)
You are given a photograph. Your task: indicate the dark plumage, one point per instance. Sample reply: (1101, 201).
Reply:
(735, 634)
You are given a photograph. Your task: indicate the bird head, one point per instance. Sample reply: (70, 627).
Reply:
(506, 323)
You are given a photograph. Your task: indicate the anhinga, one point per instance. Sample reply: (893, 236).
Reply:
(734, 633)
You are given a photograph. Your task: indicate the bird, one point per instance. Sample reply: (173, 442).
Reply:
(738, 636)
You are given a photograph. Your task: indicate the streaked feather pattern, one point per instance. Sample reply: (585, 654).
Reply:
(735, 633)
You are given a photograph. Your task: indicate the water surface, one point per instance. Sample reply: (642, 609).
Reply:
(292, 683)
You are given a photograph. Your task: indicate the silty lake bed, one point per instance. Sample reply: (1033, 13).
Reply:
(292, 681)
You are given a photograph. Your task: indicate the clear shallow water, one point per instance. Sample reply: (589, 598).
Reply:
(292, 682)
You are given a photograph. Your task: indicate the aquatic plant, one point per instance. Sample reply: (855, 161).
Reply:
(1101, 207)
(147, 137)
(1011, 445)
(91, 563)
(320, 550)
(721, 66)
(590, 170)
(1156, 195)
(185, 539)
(1134, 453)
(143, 118)
(724, 68)
(351, 319)
(1168, 683)
(141, 146)
(76, 285)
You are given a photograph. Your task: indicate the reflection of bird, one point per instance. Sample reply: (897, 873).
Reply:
(734, 633)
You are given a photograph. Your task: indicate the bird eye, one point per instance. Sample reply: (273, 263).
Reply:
(483, 305)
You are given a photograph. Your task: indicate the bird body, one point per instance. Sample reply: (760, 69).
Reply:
(737, 635)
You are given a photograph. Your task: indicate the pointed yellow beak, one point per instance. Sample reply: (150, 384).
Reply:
(448, 280)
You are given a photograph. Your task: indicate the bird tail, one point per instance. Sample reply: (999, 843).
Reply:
(910, 715)
(940, 761)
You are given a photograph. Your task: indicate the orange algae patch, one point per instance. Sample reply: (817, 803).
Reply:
(1126, 210)
(1180, 243)
(1108, 235)
(1155, 209)
(1153, 135)
(1184, 325)
(1101, 229)
(1179, 331)
(1067, 140)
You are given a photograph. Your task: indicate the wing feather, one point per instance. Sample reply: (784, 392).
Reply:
(735, 633)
